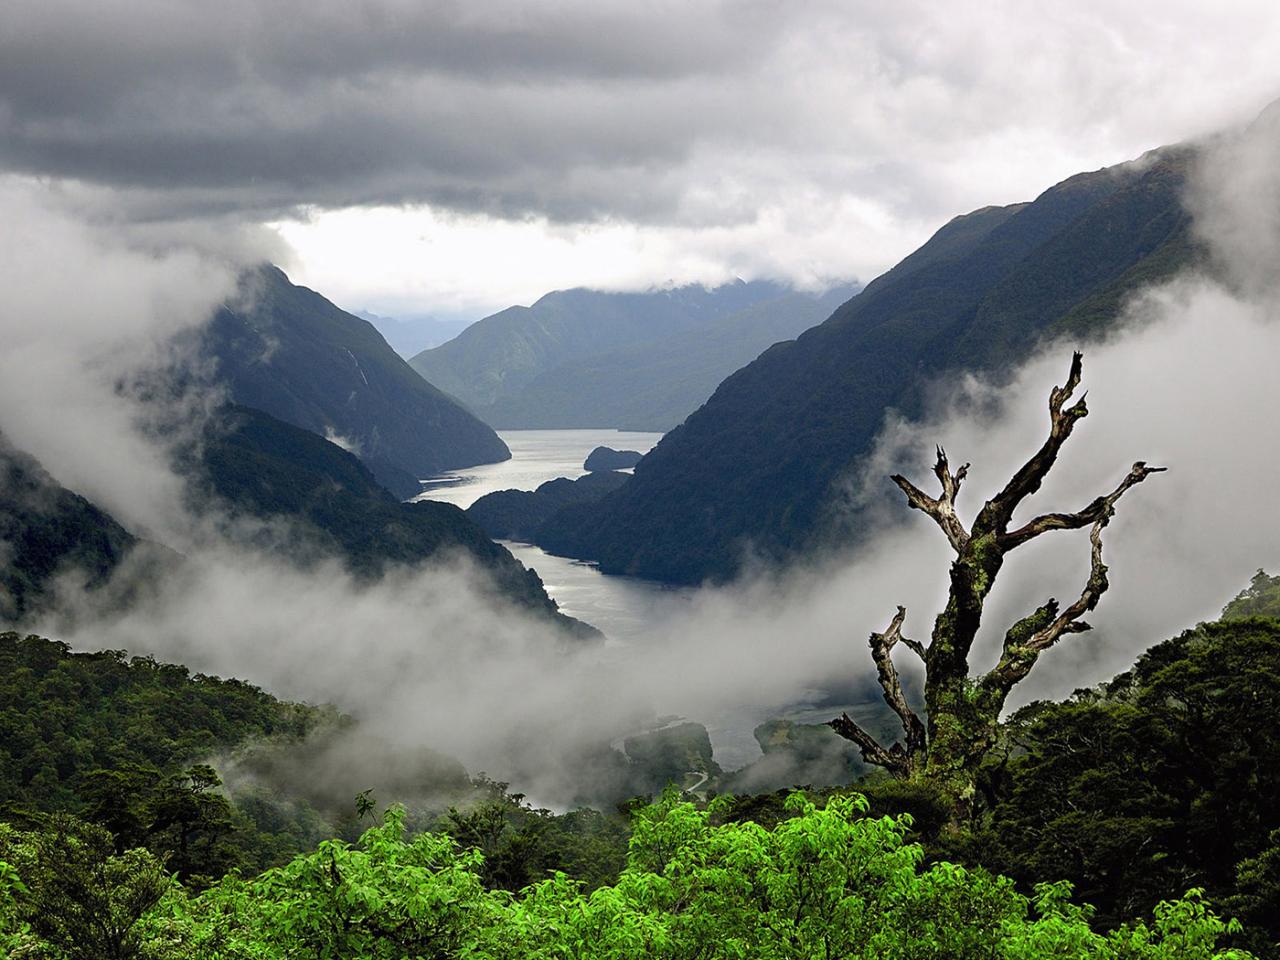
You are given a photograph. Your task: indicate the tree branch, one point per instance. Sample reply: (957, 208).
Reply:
(942, 509)
(882, 645)
(995, 516)
(897, 759)
(1034, 634)
(1082, 518)
(870, 748)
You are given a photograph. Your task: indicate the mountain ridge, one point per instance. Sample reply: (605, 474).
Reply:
(756, 469)
(286, 350)
(584, 358)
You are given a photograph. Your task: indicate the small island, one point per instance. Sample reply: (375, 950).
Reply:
(606, 458)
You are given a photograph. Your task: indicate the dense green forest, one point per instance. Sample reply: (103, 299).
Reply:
(826, 882)
(1127, 821)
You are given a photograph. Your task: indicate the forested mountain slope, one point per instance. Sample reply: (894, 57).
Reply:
(637, 361)
(251, 464)
(288, 351)
(654, 385)
(309, 498)
(756, 468)
(47, 531)
(1153, 783)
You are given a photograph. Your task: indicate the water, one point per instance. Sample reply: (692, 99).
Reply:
(536, 457)
(624, 609)
(627, 610)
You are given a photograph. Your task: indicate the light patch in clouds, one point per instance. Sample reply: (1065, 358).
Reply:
(712, 136)
(396, 261)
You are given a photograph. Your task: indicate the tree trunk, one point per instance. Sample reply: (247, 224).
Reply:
(962, 711)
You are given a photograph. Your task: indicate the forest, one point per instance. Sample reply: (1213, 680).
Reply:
(119, 843)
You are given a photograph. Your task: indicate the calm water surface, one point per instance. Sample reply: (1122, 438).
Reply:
(536, 457)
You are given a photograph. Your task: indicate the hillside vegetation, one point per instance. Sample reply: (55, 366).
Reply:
(107, 798)
(627, 361)
(250, 464)
(288, 351)
(757, 470)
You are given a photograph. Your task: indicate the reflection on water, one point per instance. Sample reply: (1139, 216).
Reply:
(536, 457)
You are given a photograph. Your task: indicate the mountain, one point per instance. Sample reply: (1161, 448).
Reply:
(758, 468)
(518, 514)
(249, 464)
(288, 351)
(632, 361)
(310, 500)
(46, 531)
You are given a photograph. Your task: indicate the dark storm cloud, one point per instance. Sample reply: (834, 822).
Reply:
(502, 107)
(662, 112)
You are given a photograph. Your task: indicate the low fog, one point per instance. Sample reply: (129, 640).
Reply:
(426, 657)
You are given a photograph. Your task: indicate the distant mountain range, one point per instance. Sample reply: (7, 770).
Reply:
(291, 353)
(411, 334)
(632, 361)
(756, 469)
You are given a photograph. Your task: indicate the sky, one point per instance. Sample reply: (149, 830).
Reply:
(453, 158)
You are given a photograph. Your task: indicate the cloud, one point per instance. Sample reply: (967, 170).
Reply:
(697, 141)
(699, 114)
(82, 313)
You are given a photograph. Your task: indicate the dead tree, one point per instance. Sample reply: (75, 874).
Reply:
(962, 712)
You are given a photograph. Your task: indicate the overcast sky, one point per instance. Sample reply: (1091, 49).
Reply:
(457, 157)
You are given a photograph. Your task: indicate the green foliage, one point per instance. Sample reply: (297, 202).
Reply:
(824, 883)
(67, 715)
(12, 927)
(112, 739)
(1167, 779)
(1260, 599)
(192, 822)
(77, 895)
(521, 844)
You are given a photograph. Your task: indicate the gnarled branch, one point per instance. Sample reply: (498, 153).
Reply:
(872, 752)
(897, 759)
(882, 645)
(943, 508)
(1034, 634)
(995, 516)
(1082, 518)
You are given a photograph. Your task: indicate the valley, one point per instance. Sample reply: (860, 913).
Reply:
(726, 482)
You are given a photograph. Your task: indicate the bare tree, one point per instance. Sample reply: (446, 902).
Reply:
(962, 712)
